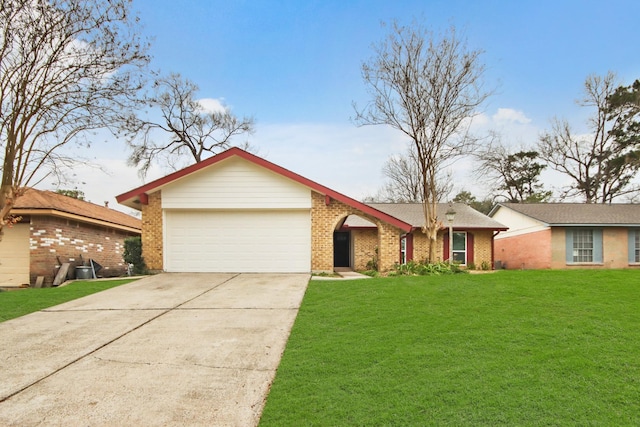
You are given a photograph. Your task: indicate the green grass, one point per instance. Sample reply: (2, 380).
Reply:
(516, 348)
(24, 301)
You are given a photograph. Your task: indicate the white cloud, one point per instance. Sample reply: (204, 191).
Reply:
(480, 120)
(211, 105)
(510, 115)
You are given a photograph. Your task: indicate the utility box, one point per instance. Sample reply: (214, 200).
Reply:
(83, 272)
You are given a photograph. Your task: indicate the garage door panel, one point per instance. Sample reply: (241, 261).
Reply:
(238, 241)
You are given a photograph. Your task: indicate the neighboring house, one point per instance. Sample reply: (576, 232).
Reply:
(568, 235)
(236, 212)
(57, 229)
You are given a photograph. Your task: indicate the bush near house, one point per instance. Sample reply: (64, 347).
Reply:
(413, 268)
(133, 254)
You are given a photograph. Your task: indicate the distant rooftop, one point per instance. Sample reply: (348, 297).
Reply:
(578, 213)
(48, 202)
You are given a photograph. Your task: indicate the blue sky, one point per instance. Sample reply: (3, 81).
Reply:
(295, 67)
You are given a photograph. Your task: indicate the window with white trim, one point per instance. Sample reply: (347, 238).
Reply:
(403, 249)
(637, 246)
(460, 247)
(583, 246)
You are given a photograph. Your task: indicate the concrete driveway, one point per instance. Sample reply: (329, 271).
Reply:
(171, 349)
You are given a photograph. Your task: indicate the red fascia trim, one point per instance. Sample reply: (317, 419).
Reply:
(327, 192)
(144, 198)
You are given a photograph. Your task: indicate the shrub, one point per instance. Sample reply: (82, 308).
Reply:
(133, 254)
(413, 268)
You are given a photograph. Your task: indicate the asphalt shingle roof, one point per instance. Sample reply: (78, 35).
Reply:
(579, 213)
(49, 200)
(466, 217)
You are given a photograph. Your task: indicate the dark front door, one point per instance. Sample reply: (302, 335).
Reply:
(341, 249)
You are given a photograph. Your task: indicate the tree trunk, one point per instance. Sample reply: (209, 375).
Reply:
(7, 200)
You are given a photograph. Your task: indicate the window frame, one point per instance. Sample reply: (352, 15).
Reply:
(573, 253)
(465, 251)
(583, 246)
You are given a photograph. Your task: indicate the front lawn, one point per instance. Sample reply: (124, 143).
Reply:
(24, 301)
(510, 348)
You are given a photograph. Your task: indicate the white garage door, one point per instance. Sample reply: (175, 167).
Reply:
(238, 241)
(14, 255)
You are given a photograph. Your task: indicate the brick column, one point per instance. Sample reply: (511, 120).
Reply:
(388, 246)
(152, 232)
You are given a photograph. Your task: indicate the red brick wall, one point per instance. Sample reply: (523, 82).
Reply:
(525, 251)
(55, 240)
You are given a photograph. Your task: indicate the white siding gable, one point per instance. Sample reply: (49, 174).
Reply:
(235, 183)
(517, 223)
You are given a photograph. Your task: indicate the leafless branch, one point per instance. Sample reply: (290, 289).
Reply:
(193, 132)
(67, 67)
(426, 86)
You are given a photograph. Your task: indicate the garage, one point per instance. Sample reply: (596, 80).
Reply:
(236, 212)
(14, 255)
(237, 241)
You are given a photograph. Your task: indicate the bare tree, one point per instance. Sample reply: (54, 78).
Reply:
(427, 87)
(67, 67)
(404, 184)
(514, 175)
(602, 163)
(194, 130)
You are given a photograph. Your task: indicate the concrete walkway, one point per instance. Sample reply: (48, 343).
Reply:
(171, 349)
(343, 273)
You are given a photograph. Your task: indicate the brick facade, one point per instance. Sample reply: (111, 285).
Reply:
(421, 247)
(152, 232)
(546, 249)
(324, 220)
(526, 251)
(365, 244)
(482, 246)
(58, 240)
(615, 249)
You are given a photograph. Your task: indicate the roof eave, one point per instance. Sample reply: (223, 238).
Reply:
(76, 217)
